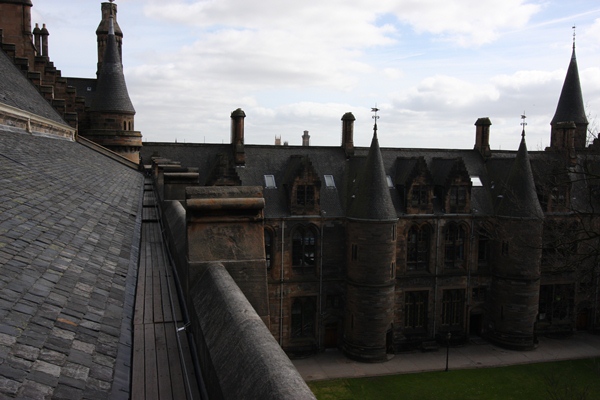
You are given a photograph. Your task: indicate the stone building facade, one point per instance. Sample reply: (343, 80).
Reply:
(379, 250)
(98, 108)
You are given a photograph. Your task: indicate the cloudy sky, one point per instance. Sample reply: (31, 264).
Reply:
(432, 66)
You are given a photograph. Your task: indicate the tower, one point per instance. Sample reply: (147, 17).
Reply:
(570, 109)
(108, 10)
(370, 260)
(514, 297)
(111, 115)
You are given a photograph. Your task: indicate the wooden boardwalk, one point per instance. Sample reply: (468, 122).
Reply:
(162, 363)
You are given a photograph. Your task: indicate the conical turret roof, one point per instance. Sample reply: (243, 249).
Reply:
(570, 104)
(519, 198)
(111, 90)
(372, 195)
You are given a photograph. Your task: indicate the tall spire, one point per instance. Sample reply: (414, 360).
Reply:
(111, 90)
(570, 106)
(372, 199)
(519, 198)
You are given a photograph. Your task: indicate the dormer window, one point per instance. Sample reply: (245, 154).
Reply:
(270, 182)
(389, 181)
(476, 181)
(329, 181)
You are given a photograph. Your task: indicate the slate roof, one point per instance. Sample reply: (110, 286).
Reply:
(17, 91)
(69, 241)
(570, 104)
(371, 198)
(86, 88)
(274, 160)
(111, 90)
(519, 195)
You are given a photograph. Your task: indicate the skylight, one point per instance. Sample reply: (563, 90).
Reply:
(329, 182)
(389, 181)
(270, 182)
(476, 181)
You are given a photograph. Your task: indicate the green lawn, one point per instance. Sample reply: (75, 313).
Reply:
(560, 380)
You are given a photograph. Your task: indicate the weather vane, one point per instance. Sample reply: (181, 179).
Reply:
(523, 124)
(375, 117)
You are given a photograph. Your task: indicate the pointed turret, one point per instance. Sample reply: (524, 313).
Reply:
(570, 108)
(111, 90)
(516, 255)
(373, 200)
(111, 114)
(520, 196)
(371, 263)
(109, 10)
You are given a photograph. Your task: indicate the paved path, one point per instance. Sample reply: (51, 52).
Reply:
(332, 364)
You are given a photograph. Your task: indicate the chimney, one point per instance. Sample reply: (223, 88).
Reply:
(237, 136)
(306, 139)
(37, 39)
(44, 33)
(482, 136)
(348, 133)
(277, 140)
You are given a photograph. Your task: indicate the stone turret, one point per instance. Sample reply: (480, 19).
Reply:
(570, 109)
(370, 257)
(111, 115)
(514, 297)
(108, 10)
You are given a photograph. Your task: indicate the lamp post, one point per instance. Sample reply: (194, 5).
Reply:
(447, 349)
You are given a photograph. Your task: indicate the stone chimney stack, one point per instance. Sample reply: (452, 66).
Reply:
(277, 140)
(306, 139)
(237, 136)
(37, 40)
(348, 133)
(44, 34)
(482, 136)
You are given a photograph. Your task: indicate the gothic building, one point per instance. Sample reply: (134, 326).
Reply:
(100, 108)
(379, 250)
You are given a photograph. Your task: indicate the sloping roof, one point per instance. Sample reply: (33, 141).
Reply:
(373, 200)
(519, 195)
(69, 243)
(570, 104)
(86, 88)
(111, 90)
(17, 91)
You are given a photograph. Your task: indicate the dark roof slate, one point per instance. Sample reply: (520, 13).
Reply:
(70, 222)
(570, 103)
(111, 90)
(371, 198)
(17, 91)
(519, 196)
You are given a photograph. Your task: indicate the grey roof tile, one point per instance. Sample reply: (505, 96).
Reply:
(68, 219)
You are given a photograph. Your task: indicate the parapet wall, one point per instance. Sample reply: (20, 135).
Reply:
(239, 357)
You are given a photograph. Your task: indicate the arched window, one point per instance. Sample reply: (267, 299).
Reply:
(304, 244)
(417, 249)
(268, 247)
(124, 125)
(303, 317)
(454, 253)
